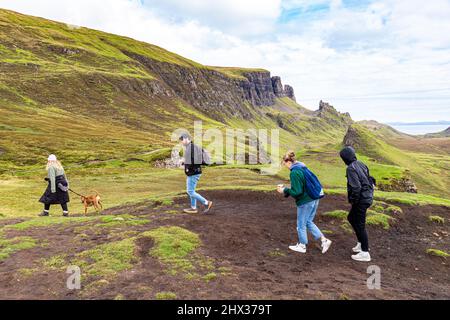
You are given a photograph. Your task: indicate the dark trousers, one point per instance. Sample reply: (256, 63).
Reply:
(357, 218)
(63, 206)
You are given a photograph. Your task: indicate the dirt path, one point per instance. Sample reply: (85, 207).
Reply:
(249, 234)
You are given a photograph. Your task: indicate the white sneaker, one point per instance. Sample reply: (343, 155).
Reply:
(362, 256)
(357, 249)
(298, 248)
(326, 244)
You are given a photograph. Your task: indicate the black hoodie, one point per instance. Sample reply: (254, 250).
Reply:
(359, 183)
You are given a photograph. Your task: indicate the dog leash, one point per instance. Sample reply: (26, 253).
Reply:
(76, 193)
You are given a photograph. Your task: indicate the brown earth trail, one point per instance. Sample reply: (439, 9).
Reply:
(248, 234)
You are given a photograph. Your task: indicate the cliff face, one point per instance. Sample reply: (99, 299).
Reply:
(215, 93)
(280, 91)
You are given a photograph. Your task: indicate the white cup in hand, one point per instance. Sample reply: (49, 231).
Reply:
(280, 188)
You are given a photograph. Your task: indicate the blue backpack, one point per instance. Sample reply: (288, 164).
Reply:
(314, 188)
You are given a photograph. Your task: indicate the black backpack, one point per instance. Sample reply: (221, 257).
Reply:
(206, 157)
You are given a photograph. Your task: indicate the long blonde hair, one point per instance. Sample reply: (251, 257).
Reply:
(57, 164)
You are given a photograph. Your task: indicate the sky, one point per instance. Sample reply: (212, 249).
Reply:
(386, 60)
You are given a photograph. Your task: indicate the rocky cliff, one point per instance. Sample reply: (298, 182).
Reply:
(214, 92)
(329, 113)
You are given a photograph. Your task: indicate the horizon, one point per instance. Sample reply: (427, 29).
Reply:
(362, 57)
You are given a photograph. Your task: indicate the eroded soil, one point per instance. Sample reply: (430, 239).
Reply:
(247, 237)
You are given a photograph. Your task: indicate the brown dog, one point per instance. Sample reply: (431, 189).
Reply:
(92, 201)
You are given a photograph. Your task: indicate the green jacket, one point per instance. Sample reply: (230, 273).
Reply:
(54, 172)
(298, 188)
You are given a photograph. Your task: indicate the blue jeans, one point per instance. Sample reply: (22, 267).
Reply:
(191, 184)
(305, 221)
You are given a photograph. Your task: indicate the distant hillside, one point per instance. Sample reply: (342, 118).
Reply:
(382, 129)
(91, 96)
(429, 171)
(442, 134)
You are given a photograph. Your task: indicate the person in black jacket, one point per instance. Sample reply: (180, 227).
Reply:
(360, 187)
(193, 160)
(57, 188)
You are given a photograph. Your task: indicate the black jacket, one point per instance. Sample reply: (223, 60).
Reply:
(59, 197)
(193, 159)
(360, 184)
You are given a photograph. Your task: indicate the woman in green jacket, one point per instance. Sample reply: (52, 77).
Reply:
(306, 206)
(57, 188)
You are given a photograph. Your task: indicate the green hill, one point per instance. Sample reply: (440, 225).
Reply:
(429, 171)
(91, 96)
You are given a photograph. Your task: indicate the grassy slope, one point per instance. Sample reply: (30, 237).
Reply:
(98, 150)
(430, 171)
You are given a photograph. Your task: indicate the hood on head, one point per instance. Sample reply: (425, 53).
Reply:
(348, 155)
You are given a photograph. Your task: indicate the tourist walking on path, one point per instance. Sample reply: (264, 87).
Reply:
(306, 205)
(360, 188)
(57, 188)
(194, 158)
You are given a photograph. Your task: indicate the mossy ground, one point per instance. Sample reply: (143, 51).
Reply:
(177, 249)
(10, 246)
(374, 217)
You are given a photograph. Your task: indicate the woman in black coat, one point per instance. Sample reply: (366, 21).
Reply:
(57, 191)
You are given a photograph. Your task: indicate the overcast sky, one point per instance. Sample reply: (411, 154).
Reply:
(387, 60)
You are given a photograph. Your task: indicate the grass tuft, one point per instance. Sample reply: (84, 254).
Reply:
(394, 210)
(337, 214)
(379, 219)
(166, 296)
(438, 253)
(436, 219)
(210, 277)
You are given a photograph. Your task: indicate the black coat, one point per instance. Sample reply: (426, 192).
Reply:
(360, 185)
(59, 197)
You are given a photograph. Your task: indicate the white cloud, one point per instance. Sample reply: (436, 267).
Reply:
(248, 17)
(356, 58)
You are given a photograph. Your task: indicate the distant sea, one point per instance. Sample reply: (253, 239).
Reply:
(420, 129)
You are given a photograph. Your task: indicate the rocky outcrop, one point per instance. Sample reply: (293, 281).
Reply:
(327, 111)
(280, 91)
(277, 86)
(352, 138)
(289, 91)
(325, 107)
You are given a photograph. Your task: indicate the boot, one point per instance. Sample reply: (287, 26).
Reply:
(43, 214)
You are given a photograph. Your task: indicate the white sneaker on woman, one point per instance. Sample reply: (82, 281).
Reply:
(326, 244)
(298, 248)
(362, 256)
(357, 249)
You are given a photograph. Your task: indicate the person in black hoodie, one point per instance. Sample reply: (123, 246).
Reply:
(360, 187)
